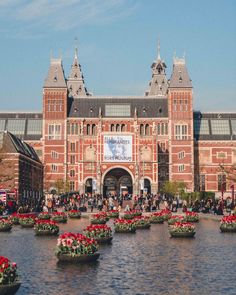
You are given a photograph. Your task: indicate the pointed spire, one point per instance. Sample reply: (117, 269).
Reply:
(76, 48)
(158, 50)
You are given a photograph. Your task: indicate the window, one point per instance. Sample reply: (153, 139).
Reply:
(201, 127)
(72, 159)
(180, 105)
(147, 129)
(88, 129)
(54, 131)
(16, 126)
(72, 146)
(141, 129)
(72, 173)
(112, 127)
(162, 146)
(233, 124)
(117, 127)
(158, 129)
(72, 186)
(221, 155)
(2, 125)
(175, 105)
(122, 127)
(117, 110)
(181, 168)
(181, 132)
(54, 155)
(202, 182)
(181, 155)
(34, 127)
(93, 129)
(220, 127)
(162, 173)
(221, 182)
(162, 128)
(186, 104)
(54, 168)
(166, 128)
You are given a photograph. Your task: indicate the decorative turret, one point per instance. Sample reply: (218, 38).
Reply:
(55, 78)
(179, 77)
(75, 81)
(158, 85)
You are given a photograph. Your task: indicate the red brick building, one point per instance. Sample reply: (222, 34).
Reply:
(21, 169)
(107, 144)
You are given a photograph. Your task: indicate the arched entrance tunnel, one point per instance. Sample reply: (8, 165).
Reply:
(117, 181)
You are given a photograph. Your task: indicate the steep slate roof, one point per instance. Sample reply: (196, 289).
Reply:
(15, 144)
(55, 78)
(26, 126)
(214, 126)
(145, 107)
(179, 77)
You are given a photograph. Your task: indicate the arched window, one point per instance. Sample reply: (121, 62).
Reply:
(147, 129)
(141, 129)
(93, 129)
(112, 127)
(88, 129)
(117, 127)
(122, 127)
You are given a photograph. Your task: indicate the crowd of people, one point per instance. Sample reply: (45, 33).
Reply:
(144, 203)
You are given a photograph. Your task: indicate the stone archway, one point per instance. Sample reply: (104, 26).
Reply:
(117, 181)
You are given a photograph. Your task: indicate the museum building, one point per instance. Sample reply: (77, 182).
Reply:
(133, 144)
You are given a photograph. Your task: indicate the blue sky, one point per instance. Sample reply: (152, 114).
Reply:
(117, 42)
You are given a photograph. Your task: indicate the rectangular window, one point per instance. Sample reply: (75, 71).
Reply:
(186, 104)
(117, 110)
(16, 126)
(181, 132)
(166, 128)
(34, 126)
(72, 173)
(2, 125)
(162, 128)
(175, 105)
(158, 129)
(221, 182)
(221, 155)
(72, 146)
(220, 127)
(54, 168)
(162, 173)
(181, 155)
(72, 186)
(54, 155)
(201, 127)
(181, 168)
(54, 131)
(72, 159)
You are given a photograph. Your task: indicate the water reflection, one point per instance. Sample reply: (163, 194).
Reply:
(148, 262)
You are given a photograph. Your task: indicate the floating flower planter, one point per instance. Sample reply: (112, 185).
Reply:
(44, 216)
(228, 224)
(74, 214)
(5, 224)
(27, 220)
(8, 277)
(142, 222)
(124, 226)
(59, 217)
(175, 218)
(157, 218)
(113, 214)
(182, 230)
(191, 217)
(100, 218)
(128, 215)
(76, 248)
(46, 227)
(166, 213)
(101, 233)
(14, 218)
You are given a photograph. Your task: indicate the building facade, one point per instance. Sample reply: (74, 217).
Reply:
(102, 144)
(21, 169)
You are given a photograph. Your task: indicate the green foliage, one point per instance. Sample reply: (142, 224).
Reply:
(174, 188)
(62, 186)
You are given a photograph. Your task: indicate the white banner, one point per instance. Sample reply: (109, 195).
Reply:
(94, 184)
(117, 148)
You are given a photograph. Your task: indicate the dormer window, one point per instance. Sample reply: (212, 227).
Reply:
(180, 79)
(55, 79)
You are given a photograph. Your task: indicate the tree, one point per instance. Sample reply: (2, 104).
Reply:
(230, 172)
(174, 188)
(7, 180)
(62, 186)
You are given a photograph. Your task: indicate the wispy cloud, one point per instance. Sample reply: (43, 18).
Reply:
(61, 15)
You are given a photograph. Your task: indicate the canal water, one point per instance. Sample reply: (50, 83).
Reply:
(148, 262)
